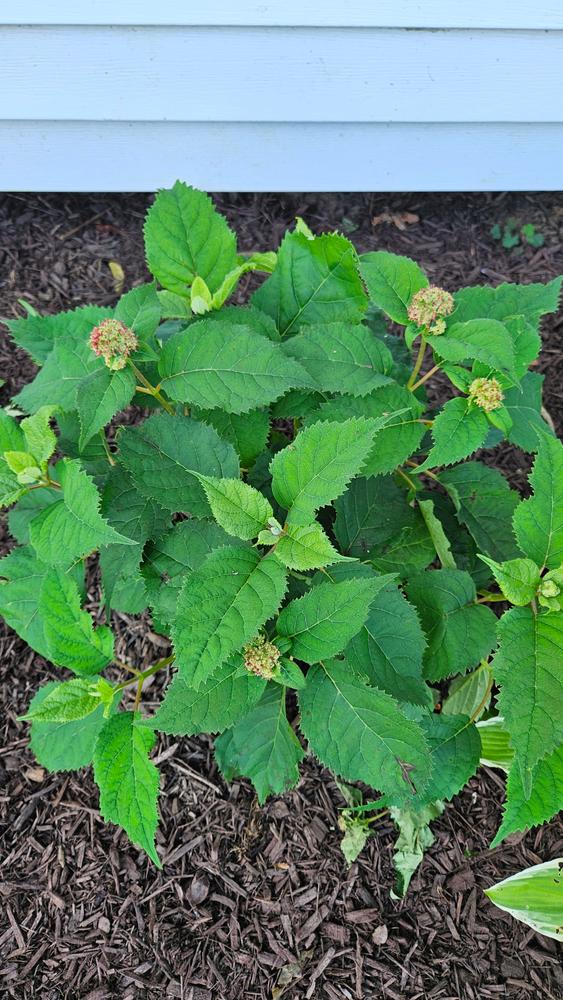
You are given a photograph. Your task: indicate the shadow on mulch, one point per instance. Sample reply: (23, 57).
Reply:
(253, 898)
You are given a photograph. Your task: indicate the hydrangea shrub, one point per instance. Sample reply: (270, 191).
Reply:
(291, 510)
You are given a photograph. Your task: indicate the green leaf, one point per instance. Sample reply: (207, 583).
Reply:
(175, 554)
(485, 504)
(213, 365)
(237, 507)
(400, 432)
(437, 534)
(518, 579)
(523, 403)
(221, 700)
(496, 750)
(361, 733)
(469, 695)
(129, 511)
(485, 340)
(171, 450)
(21, 577)
(315, 281)
(221, 606)
(388, 649)
(248, 432)
(264, 746)
(455, 748)
(460, 633)
(370, 512)
(406, 553)
(127, 779)
(534, 896)
(538, 521)
(64, 369)
(185, 236)
(38, 335)
(319, 464)
(457, 431)
(39, 438)
(93, 457)
(10, 489)
(140, 310)
(123, 586)
(392, 281)
(341, 358)
(27, 507)
(71, 638)
(506, 301)
(65, 746)
(139, 518)
(543, 803)
(322, 622)
(99, 397)
(72, 527)
(66, 702)
(304, 547)
(11, 434)
(415, 837)
(529, 669)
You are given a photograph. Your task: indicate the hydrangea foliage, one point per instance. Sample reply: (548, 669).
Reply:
(295, 519)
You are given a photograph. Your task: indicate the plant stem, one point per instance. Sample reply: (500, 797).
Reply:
(417, 364)
(372, 819)
(151, 388)
(408, 479)
(424, 378)
(138, 694)
(109, 455)
(141, 677)
(427, 472)
(488, 598)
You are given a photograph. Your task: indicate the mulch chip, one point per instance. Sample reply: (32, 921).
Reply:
(253, 903)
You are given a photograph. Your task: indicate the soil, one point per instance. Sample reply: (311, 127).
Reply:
(254, 902)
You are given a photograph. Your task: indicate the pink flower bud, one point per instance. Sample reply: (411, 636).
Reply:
(114, 342)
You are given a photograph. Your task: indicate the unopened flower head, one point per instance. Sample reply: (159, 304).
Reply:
(261, 657)
(486, 393)
(549, 588)
(113, 341)
(428, 308)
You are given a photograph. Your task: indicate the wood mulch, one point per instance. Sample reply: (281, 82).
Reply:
(253, 903)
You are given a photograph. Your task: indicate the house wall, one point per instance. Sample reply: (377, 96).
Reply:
(432, 95)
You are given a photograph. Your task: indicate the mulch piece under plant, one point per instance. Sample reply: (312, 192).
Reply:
(254, 903)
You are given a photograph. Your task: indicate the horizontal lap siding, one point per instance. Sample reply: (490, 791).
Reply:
(274, 107)
(317, 13)
(140, 156)
(280, 74)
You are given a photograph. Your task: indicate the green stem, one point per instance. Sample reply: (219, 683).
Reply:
(424, 378)
(141, 677)
(109, 455)
(417, 364)
(488, 598)
(412, 485)
(427, 472)
(151, 388)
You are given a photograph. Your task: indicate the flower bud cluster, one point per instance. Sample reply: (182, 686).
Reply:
(428, 308)
(486, 393)
(114, 342)
(261, 657)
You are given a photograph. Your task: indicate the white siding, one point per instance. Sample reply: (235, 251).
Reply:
(294, 95)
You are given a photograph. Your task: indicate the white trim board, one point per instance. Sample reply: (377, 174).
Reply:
(142, 156)
(279, 74)
(316, 13)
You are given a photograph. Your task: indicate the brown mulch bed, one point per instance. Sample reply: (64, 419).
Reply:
(252, 900)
